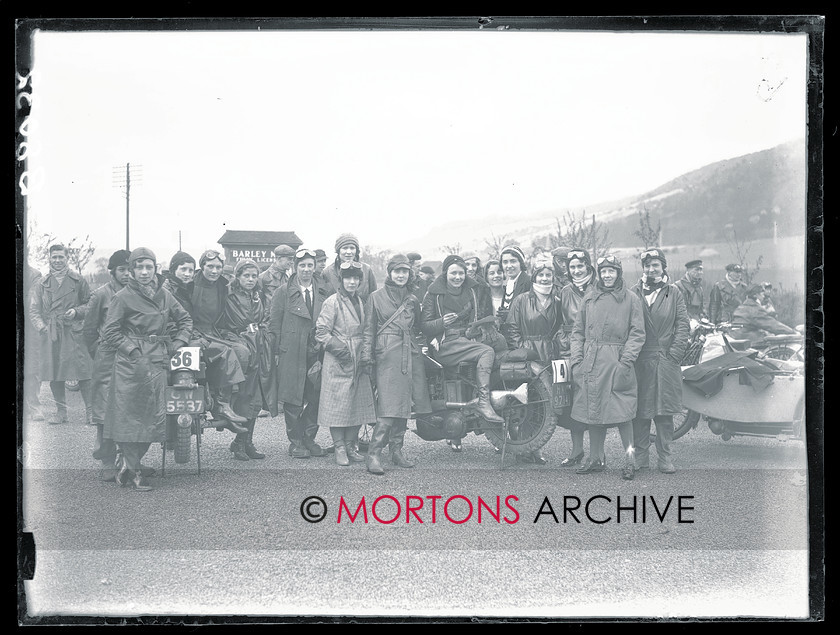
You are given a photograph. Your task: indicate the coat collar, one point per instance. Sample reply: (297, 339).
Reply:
(45, 280)
(439, 287)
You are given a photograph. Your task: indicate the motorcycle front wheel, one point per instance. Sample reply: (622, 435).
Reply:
(530, 425)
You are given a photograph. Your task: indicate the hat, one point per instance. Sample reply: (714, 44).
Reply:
(320, 253)
(427, 269)
(118, 258)
(141, 253)
(242, 264)
(577, 253)
(693, 263)
(413, 256)
(516, 252)
(543, 259)
(452, 260)
(346, 239)
(351, 269)
(541, 266)
(734, 267)
(654, 253)
(179, 259)
(284, 250)
(398, 261)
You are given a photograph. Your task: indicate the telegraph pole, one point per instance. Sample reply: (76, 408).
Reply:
(121, 182)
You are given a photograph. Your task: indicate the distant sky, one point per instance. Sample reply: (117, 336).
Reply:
(385, 134)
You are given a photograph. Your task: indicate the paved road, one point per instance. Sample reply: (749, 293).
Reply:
(232, 541)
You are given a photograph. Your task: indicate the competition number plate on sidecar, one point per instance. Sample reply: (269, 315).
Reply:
(189, 400)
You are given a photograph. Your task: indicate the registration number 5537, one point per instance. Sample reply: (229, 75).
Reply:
(180, 400)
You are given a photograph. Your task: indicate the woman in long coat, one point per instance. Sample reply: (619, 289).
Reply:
(136, 327)
(582, 275)
(391, 352)
(606, 340)
(57, 305)
(245, 321)
(346, 394)
(532, 325)
(658, 370)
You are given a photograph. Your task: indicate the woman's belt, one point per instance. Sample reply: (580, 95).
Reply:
(154, 339)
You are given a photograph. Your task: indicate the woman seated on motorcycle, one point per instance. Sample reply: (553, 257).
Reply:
(245, 322)
(346, 401)
(137, 327)
(391, 354)
(752, 321)
(532, 324)
(452, 303)
(606, 340)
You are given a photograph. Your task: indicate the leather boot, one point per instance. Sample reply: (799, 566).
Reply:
(295, 434)
(238, 449)
(140, 483)
(482, 375)
(352, 450)
(84, 389)
(248, 443)
(396, 444)
(123, 475)
(378, 439)
(341, 454)
(226, 412)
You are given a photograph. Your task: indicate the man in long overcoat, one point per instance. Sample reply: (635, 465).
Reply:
(691, 287)
(31, 351)
(277, 273)
(294, 310)
(57, 307)
(658, 371)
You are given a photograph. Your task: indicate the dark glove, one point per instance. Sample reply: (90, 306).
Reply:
(337, 348)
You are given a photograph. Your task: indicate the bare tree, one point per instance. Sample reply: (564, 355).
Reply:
(495, 243)
(647, 233)
(580, 232)
(451, 249)
(740, 250)
(37, 245)
(79, 252)
(378, 261)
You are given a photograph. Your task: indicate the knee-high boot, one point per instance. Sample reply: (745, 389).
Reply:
(378, 439)
(60, 397)
(294, 430)
(351, 444)
(224, 410)
(483, 369)
(237, 446)
(248, 443)
(395, 444)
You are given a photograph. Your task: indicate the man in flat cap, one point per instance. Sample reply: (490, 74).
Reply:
(320, 261)
(278, 273)
(727, 294)
(691, 287)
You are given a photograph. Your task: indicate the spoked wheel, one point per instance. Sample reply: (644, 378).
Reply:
(783, 353)
(530, 425)
(683, 422)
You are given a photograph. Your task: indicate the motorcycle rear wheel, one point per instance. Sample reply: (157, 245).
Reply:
(530, 425)
(182, 444)
(682, 424)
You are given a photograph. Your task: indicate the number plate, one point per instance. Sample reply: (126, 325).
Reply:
(185, 357)
(560, 369)
(180, 400)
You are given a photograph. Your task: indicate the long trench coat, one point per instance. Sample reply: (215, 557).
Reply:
(606, 340)
(724, 299)
(293, 331)
(103, 354)
(532, 327)
(32, 339)
(243, 309)
(346, 395)
(136, 409)
(63, 354)
(400, 373)
(658, 371)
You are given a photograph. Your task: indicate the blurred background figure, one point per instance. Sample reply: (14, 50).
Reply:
(691, 287)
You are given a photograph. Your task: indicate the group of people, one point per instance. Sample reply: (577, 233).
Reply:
(329, 347)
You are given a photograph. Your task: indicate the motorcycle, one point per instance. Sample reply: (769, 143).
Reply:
(188, 402)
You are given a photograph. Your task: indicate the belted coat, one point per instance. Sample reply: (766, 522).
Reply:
(245, 322)
(293, 332)
(724, 299)
(606, 339)
(532, 327)
(103, 354)
(63, 353)
(658, 370)
(346, 394)
(136, 403)
(394, 350)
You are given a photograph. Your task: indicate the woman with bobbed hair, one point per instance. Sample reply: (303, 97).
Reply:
(346, 394)
(606, 340)
(494, 276)
(245, 321)
(452, 303)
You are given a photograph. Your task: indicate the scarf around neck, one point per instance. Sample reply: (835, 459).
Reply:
(647, 289)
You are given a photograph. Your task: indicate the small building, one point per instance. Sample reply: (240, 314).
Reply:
(256, 245)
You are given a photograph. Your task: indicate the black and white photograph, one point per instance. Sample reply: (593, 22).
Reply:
(419, 319)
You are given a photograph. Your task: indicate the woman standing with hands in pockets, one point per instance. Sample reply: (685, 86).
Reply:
(346, 394)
